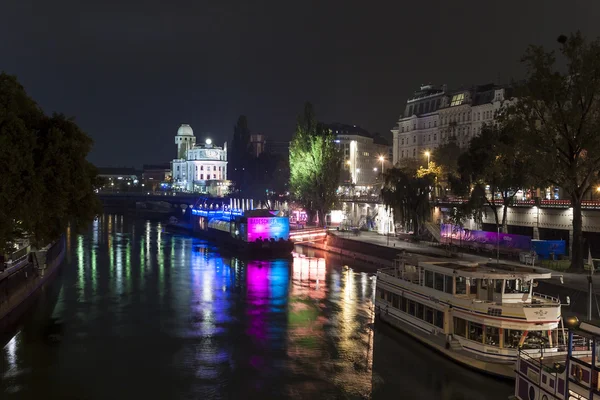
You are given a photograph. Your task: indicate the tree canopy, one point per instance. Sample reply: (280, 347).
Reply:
(315, 164)
(497, 158)
(559, 104)
(47, 182)
(407, 190)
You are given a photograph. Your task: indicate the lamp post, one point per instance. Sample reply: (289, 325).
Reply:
(498, 246)
(428, 155)
(382, 159)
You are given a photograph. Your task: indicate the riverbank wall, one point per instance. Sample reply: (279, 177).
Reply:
(383, 256)
(19, 289)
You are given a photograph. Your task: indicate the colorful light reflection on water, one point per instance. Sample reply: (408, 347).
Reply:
(138, 313)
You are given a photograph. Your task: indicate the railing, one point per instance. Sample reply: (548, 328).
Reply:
(587, 204)
(546, 297)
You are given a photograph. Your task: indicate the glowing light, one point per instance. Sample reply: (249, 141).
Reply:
(274, 227)
(208, 142)
(381, 158)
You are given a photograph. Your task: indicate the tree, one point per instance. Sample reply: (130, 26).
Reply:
(560, 106)
(406, 190)
(240, 154)
(497, 158)
(46, 182)
(315, 164)
(446, 157)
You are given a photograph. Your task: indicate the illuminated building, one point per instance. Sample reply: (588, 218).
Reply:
(199, 168)
(361, 152)
(433, 116)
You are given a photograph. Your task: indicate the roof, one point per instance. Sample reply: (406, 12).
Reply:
(185, 130)
(490, 271)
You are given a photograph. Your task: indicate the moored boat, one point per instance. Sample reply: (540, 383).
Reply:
(570, 376)
(255, 233)
(477, 315)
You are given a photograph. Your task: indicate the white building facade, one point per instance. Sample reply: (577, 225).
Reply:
(434, 116)
(199, 168)
(363, 155)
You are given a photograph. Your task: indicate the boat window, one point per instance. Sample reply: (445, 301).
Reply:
(439, 282)
(475, 332)
(473, 286)
(411, 307)
(382, 294)
(511, 338)
(461, 285)
(420, 310)
(439, 319)
(403, 303)
(388, 296)
(395, 300)
(448, 284)
(429, 315)
(429, 278)
(492, 336)
(460, 327)
(498, 285)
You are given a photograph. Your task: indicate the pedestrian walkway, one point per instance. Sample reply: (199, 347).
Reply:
(575, 281)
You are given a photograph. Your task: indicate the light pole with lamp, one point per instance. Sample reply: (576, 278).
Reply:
(382, 159)
(428, 155)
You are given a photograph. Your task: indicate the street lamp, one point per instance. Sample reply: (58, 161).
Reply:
(382, 159)
(427, 154)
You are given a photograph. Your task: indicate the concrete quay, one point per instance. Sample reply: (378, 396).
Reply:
(380, 251)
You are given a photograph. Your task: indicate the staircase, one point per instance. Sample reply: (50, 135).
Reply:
(455, 345)
(434, 230)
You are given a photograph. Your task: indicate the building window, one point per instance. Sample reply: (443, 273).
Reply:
(196, 168)
(434, 137)
(202, 176)
(414, 152)
(429, 138)
(202, 168)
(402, 141)
(430, 124)
(214, 176)
(214, 167)
(434, 124)
(414, 127)
(457, 99)
(468, 116)
(402, 154)
(402, 129)
(414, 139)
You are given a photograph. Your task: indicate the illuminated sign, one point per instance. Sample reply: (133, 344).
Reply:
(267, 228)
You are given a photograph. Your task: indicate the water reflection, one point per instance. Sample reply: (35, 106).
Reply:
(147, 314)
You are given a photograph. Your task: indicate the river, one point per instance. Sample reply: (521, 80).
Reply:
(140, 313)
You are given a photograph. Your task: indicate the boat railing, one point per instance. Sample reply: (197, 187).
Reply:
(546, 297)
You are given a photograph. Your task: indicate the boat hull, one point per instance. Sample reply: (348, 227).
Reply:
(437, 342)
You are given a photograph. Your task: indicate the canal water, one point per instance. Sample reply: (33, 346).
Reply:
(137, 313)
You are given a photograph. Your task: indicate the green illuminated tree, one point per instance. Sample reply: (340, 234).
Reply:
(315, 164)
(560, 107)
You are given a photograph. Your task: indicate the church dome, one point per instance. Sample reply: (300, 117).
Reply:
(185, 130)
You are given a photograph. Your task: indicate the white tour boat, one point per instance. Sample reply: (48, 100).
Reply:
(479, 316)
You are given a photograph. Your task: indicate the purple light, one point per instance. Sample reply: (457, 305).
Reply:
(266, 228)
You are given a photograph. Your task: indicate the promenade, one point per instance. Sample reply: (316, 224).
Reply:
(574, 285)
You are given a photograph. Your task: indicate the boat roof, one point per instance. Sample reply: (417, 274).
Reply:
(486, 271)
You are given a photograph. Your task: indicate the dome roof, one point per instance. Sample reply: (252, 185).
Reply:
(185, 130)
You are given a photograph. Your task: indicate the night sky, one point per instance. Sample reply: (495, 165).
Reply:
(131, 72)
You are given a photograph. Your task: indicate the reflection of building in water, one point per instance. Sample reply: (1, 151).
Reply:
(308, 275)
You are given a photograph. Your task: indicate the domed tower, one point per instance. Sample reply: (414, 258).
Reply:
(184, 140)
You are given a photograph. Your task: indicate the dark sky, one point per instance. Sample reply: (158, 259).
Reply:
(132, 71)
